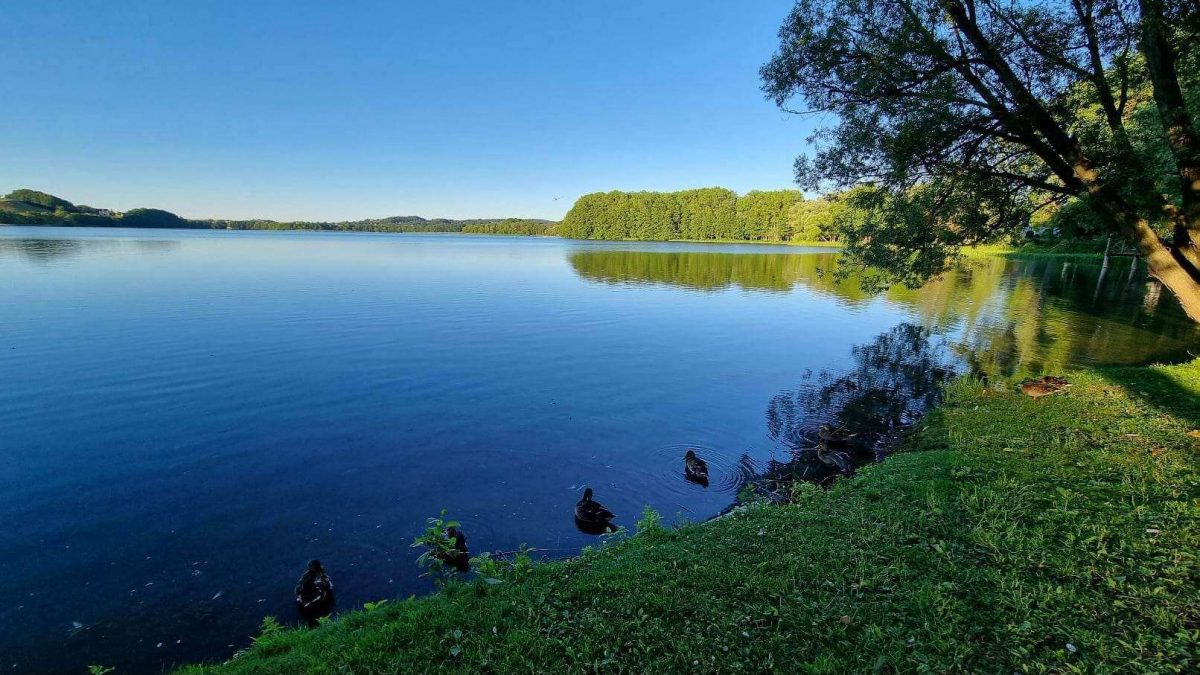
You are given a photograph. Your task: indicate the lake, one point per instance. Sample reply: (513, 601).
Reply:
(187, 417)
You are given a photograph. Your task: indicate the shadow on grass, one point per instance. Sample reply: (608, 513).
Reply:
(1173, 389)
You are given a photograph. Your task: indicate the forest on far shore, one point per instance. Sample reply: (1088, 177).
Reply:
(703, 214)
(31, 207)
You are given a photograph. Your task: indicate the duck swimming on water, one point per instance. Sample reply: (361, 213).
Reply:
(314, 593)
(833, 436)
(695, 469)
(591, 514)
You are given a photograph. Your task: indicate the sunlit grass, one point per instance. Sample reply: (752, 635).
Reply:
(1066, 249)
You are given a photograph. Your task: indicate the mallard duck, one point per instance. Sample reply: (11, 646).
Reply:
(590, 512)
(837, 459)
(459, 558)
(314, 593)
(1044, 386)
(694, 468)
(828, 434)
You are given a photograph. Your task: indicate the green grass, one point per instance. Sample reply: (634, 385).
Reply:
(809, 244)
(1011, 535)
(1063, 249)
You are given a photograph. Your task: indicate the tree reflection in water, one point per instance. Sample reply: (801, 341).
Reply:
(894, 379)
(1007, 318)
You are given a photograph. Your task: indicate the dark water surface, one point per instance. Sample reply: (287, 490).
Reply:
(187, 417)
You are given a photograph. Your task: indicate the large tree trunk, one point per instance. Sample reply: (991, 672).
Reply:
(1164, 264)
(1168, 269)
(1177, 124)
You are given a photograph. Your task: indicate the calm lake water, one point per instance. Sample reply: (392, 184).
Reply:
(187, 417)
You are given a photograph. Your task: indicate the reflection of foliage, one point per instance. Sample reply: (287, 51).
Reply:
(895, 378)
(893, 381)
(1015, 317)
(716, 271)
(46, 250)
(1052, 316)
(41, 249)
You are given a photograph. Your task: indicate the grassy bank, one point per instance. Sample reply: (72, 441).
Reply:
(807, 244)
(1066, 249)
(1012, 534)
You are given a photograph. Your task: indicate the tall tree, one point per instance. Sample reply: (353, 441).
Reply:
(970, 115)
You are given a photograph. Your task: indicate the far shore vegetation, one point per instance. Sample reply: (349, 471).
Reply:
(31, 207)
(701, 216)
(706, 214)
(1009, 534)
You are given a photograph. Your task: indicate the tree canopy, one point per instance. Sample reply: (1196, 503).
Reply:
(967, 117)
(153, 218)
(702, 214)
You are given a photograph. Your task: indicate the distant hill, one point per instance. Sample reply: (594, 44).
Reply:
(31, 207)
(14, 206)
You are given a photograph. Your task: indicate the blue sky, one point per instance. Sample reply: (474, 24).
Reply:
(330, 111)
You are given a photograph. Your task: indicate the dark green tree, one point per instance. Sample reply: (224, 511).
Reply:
(153, 218)
(703, 214)
(970, 115)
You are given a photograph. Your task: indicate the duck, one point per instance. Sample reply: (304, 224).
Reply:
(314, 593)
(837, 459)
(695, 469)
(1044, 386)
(591, 513)
(459, 558)
(838, 436)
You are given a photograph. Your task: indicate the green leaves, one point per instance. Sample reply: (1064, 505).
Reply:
(969, 121)
(704, 214)
(438, 546)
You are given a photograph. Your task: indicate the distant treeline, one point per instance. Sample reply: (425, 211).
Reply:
(706, 214)
(520, 226)
(30, 207)
(703, 214)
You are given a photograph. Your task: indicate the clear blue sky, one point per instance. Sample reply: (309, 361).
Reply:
(342, 110)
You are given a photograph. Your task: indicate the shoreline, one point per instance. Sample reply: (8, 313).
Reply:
(807, 244)
(967, 252)
(1001, 533)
